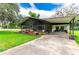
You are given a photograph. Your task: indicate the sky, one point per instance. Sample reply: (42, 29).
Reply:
(42, 6)
(46, 10)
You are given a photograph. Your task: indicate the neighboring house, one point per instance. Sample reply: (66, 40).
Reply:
(57, 24)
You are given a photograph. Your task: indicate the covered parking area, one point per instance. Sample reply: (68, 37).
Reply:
(69, 21)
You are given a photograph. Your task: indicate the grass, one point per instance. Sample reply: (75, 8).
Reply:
(77, 36)
(9, 39)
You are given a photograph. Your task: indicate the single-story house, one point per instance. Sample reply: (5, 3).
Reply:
(56, 24)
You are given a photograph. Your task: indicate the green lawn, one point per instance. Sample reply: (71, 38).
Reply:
(77, 36)
(9, 39)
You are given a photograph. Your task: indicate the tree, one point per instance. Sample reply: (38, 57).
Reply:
(72, 10)
(34, 15)
(8, 14)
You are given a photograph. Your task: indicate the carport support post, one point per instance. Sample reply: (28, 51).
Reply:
(70, 28)
(73, 27)
(72, 23)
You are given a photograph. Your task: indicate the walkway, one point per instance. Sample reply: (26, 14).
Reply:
(57, 44)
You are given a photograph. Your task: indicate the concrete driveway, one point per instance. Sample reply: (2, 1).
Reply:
(57, 44)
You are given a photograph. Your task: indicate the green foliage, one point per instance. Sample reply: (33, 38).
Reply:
(77, 39)
(77, 36)
(8, 13)
(76, 27)
(13, 25)
(34, 15)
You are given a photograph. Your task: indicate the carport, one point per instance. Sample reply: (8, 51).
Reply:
(69, 20)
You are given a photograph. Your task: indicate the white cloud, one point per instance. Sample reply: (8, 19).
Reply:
(68, 4)
(43, 14)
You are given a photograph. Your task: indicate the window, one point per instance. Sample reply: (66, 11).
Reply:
(41, 27)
